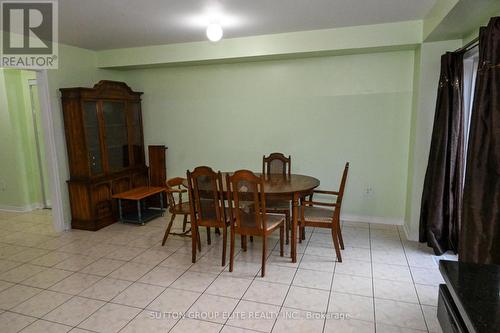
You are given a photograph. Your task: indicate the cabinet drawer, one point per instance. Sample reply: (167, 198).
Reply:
(101, 197)
(103, 209)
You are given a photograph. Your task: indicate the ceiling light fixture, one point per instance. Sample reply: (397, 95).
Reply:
(214, 32)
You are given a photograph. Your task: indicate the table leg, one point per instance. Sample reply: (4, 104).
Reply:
(295, 214)
(120, 210)
(139, 215)
(161, 203)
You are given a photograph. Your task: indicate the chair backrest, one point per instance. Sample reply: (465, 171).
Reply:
(276, 163)
(342, 185)
(205, 195)
(176, 183)
(247, 204)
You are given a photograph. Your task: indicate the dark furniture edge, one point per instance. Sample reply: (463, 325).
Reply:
(456, 299)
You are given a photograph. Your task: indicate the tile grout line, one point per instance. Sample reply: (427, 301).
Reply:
(241, 298)
(187, 269)
(73, 296)
(293, 278)
(254, 279)
(179, 250)
(413, 281)
(137, 281)
(204, 291)
(330, 292)
(246, 290)
(77, 295)
(373, 282)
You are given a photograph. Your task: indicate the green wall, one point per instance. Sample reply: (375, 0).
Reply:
(77, 67)
(10, 180)
(323, 111)
(20, 186)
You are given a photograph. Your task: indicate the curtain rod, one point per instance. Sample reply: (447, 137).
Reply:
(469, 45)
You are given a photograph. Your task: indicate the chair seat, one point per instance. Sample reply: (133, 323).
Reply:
(317, 214)
(183, 208)
(272, 220)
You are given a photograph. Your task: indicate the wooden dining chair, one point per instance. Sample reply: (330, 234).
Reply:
(313, 216)
(277, 163)
(176, 188)
(207, 206)
(248, 214)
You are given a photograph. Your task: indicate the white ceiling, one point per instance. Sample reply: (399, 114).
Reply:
(107, 24)
(464, 18)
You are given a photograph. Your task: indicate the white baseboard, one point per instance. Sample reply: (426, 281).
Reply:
(371, 219)
(21, 209)
(408, 234)
(406, 231)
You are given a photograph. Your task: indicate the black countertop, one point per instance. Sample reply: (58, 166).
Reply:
(475, 289)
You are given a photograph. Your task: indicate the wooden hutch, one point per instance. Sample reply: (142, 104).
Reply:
(105, 146)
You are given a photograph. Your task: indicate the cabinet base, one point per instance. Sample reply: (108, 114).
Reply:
(92, 225)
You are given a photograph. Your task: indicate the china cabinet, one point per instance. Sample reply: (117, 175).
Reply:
(105, 145)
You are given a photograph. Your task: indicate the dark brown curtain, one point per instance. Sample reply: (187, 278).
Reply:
(440, 212)
(480, 234)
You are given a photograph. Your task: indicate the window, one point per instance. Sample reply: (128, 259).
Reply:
(471, 59)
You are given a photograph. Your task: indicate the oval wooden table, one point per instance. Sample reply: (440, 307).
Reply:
(291, 187)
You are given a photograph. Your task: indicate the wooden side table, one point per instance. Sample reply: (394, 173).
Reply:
(143, 214)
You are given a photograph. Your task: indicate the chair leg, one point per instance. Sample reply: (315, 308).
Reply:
(336, 244)
(244, 243)
(282, 231)
(264, 244)
(217, 231)
(224, 245)
(251, 239)
(287, 229)
(184, 223)
(301, 228)
(199, 239)
(303, 233)
(231, 250)
(167, 232)
(339, 233)
(194, 240)
(209, 240)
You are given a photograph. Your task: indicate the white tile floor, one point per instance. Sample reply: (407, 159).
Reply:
(120, 279)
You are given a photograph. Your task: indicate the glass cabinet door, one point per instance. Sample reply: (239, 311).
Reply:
(115, 126)
(136, 133)
(91, 124)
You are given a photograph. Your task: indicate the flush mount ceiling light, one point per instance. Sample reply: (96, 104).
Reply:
(211, 19)
(214, 32)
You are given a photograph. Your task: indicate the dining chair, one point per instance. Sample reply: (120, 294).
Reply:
(248, 214)
(175, 188)
(278, 163)
(207, 207)
(313, 216)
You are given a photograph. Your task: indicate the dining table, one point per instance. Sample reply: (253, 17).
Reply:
(288, 187)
